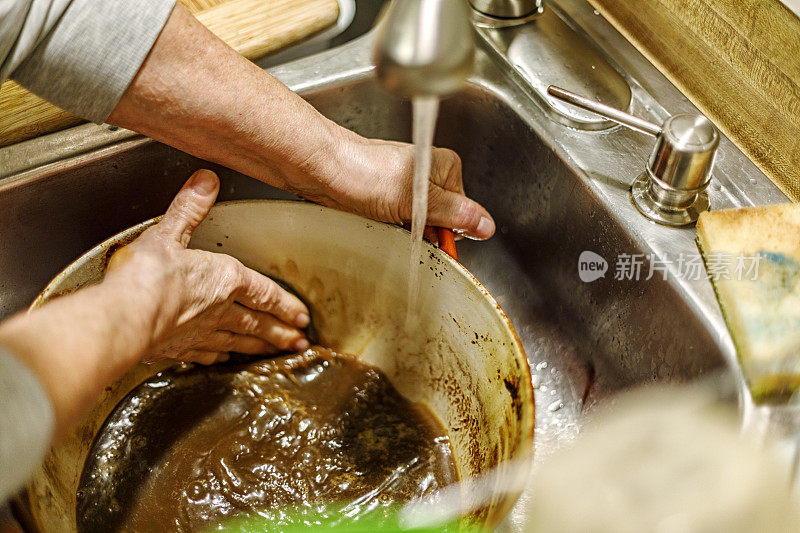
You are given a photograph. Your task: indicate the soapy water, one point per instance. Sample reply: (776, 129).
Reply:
(310, 438)
(425, 111)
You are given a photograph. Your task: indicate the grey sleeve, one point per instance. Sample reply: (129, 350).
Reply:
(78, 54)
(26, 424)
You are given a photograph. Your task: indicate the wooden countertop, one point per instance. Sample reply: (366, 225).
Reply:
(253, 27)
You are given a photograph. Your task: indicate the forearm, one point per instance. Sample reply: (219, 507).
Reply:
(80, 343)
(197, 94)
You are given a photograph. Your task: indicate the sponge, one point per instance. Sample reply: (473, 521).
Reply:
(752, 256)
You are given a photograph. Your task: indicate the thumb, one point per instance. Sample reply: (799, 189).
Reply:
(190, 206)
(452, 210)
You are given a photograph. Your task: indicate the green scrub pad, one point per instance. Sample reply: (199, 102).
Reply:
(305, 520)
(753, 258)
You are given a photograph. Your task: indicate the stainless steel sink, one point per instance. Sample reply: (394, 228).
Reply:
(554, 192)
(356, 17)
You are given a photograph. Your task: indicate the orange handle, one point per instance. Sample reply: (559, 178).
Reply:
(447, 242)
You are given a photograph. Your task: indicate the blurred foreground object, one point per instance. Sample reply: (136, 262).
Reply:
(303, 520)
(753, 258)
(662, 459)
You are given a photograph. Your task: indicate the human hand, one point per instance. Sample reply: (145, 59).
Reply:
(374, 178)
(206, 304)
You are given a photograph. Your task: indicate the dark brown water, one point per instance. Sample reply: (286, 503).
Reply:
(304, 431)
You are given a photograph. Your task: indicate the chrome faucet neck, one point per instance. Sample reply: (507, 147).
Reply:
(425, 47)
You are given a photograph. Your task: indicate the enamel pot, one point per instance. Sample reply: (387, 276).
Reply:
(464, 359)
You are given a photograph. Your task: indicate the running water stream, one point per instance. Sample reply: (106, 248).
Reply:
(425, 111)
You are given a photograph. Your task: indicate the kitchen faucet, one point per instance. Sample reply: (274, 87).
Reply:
(426, 47)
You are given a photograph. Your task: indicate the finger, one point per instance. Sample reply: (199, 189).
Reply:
(446, 170)
(260, 293)
(203, 357)
(244, 321)
(455, 211)
(227, 341)
(190, 206)
(430, 235)
(448, 207)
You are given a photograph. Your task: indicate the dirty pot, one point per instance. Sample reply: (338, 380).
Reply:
(464, 360)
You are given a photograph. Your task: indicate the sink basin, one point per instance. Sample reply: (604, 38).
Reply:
(581, 338)
(554, 192)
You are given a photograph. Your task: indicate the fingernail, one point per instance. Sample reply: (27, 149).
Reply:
(301, 345)
(485, 228)
(204, 181)
(302, 320)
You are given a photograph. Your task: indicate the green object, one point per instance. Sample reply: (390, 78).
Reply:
(382, 520)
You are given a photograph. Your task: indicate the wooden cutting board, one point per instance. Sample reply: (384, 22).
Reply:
(254, 28)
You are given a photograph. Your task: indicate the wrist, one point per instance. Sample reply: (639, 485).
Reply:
(308, 160)
(134, 312)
